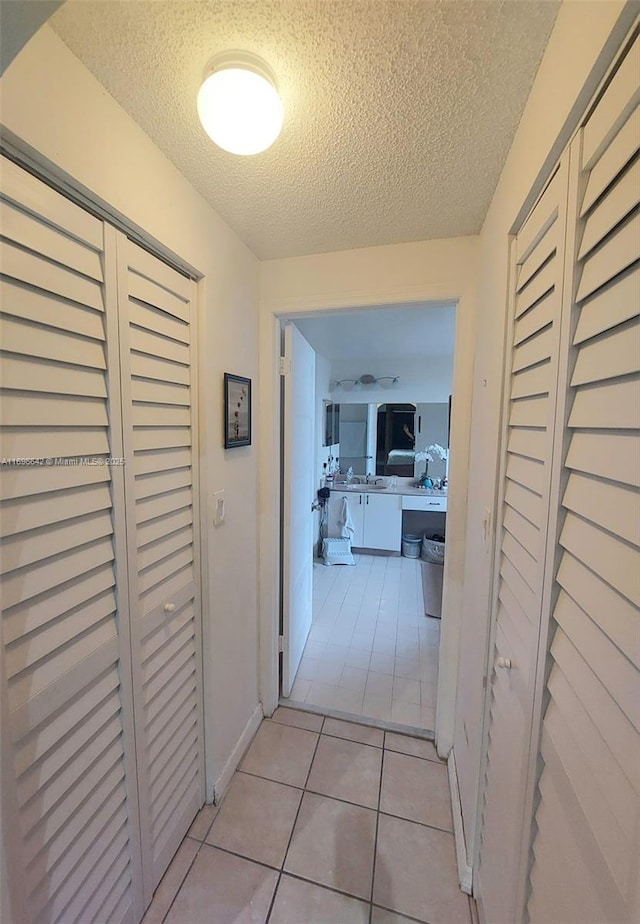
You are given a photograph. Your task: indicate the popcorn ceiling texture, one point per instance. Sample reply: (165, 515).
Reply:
(398, 114)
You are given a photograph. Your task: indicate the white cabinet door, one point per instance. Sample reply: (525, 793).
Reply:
(356, 502)
(382, 521)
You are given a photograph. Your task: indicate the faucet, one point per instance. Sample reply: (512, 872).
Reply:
(371, 480)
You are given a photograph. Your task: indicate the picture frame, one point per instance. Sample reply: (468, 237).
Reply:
(237, 411)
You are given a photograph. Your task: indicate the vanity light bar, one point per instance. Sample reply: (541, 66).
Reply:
(368, 380)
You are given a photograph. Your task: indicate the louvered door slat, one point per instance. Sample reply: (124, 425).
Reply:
(559, 895)
(31, 233)
(623, 147)
(589, 786)
(22, 266)
(619, 200)
(617, 791)
(614, 507)
(148, 343)
(619, 100)
(156, 336)
(611, 258)
(28, 339)
(612, 355)
(615, 615)
(530, 392)
(148, 317)
(30, 304)
(614, 303)
(61, 644)
(152, 367)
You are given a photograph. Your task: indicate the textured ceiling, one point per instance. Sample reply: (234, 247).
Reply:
(402, 331)
(398, 113)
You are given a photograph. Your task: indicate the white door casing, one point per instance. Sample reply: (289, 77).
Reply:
(298, 490)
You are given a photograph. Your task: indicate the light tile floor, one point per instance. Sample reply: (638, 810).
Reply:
(325, 822)
(371, 651)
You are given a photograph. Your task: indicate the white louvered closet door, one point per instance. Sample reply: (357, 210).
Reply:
(69, 792)
(587, 843)
(157, 338)
(530, 394)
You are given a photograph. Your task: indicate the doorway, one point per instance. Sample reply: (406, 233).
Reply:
(372, 651)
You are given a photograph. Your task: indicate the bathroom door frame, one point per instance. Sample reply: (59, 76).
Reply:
(272, 315)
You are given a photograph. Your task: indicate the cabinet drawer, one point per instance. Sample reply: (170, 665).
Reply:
(428, 502)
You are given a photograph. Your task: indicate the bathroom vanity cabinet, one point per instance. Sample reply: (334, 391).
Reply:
(377, 518)
(378, 514)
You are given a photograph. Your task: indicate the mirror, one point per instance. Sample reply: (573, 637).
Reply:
(330, 431)
(395, 446)
(382, 439)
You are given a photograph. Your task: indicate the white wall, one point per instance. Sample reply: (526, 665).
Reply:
(51, 102)
(428, 380)
(568, 75)
(434, 422)
(441, 270)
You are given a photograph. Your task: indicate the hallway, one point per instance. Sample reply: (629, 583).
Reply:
(371, 650)
(324, 822)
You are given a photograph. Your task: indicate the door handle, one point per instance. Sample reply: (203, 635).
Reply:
(503, 663)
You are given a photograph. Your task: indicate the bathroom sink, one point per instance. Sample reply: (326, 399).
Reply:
(360, 487)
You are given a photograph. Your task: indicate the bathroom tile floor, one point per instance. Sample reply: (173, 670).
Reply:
(325, 822)
(371, 651)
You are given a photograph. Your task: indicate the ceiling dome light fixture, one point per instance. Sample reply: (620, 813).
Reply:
(238, 103)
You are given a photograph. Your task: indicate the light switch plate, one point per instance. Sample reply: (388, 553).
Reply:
(218, 508)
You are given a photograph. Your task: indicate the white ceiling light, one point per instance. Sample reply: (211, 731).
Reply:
(239, 105)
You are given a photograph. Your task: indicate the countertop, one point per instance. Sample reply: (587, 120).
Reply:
(406, 487)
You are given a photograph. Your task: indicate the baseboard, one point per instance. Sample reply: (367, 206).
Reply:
(465, 873)
(222, 783)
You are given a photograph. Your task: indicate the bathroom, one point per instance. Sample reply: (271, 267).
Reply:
(372, 649)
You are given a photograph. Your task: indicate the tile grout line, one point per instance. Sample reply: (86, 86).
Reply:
(182, 882)
(293, 827)
(375, 839)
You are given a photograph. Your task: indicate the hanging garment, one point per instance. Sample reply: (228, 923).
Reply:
(345, 522)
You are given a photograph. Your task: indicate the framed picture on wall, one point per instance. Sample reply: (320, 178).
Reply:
(237, 411)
